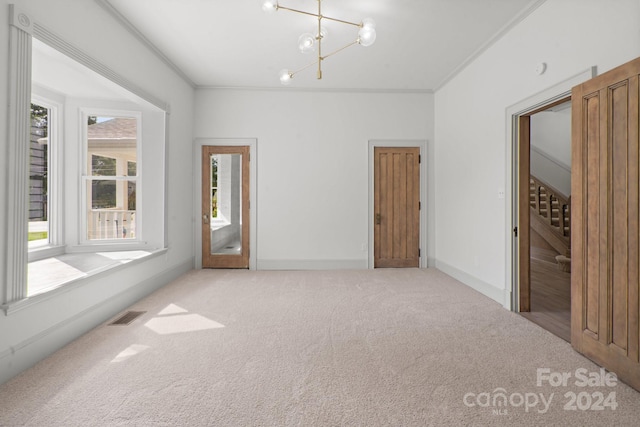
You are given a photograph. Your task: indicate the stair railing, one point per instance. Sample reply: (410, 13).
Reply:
(552, 206)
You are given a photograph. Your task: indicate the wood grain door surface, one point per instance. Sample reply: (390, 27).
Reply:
(605, 192)
(396, 207)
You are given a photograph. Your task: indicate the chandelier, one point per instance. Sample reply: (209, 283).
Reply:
(308, 42)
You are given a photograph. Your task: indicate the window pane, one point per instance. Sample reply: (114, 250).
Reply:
(112, 152)
(131, 195)
(112, 214)
(112, 145)
(38, 176)
(103, 194)
(103, 166)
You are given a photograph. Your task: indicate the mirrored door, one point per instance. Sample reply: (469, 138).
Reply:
(225, 207)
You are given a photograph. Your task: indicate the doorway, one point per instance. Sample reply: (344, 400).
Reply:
(397, 207)
(225, 207)
(544, 218)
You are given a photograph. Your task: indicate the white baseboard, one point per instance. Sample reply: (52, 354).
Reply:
(27, 353)
(496, 294)
(312, 264)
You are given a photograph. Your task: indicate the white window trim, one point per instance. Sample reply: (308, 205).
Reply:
(55, 245)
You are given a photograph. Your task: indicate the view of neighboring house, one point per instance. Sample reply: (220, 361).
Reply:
(112, 152)
(111, 155)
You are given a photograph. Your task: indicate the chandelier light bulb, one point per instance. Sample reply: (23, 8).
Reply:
(366, 36)
(368, 23)
(269, 5)
(285, 76)
(307, 43)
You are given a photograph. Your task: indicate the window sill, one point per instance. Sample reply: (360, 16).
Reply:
(45, 251)
(55, 275)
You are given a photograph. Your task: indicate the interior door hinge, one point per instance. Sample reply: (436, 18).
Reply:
(419, 205)
(419, 252)
(515, 231)
(419, 158)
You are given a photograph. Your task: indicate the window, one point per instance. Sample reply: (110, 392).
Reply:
(111, 177)
(55, 205)
(38, 177)
(44, 215)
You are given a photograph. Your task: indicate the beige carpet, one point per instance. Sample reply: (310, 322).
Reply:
(354, 348)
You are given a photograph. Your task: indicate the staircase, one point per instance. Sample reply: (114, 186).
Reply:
(551, 218)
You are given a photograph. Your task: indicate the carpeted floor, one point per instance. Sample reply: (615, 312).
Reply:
(324, 348)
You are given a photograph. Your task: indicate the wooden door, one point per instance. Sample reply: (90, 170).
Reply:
(396, 207)
(604, 300)
(225, 207)
(523, 231)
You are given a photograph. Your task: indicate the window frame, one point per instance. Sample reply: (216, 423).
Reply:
(23, 31)
(56, 239)
(86, 177)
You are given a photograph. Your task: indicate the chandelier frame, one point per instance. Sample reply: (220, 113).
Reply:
(366, 36)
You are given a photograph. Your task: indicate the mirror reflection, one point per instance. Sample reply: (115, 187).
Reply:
(226, 204)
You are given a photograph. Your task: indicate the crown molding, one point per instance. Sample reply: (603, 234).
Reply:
(531, 7)
(318, 90)
(145, 41)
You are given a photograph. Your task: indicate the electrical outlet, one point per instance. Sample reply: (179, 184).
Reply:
(500, 194)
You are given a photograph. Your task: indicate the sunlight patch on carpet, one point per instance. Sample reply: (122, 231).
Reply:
(130, 351)
(181, 323)
(172, 309)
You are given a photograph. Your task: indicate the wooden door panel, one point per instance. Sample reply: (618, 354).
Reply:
(592, 229)
(618, 98)
(605, 190)
(397, 207)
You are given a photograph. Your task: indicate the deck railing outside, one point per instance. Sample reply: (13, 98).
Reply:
(111, 224)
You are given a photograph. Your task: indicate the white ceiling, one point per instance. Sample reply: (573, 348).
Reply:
(233, 43)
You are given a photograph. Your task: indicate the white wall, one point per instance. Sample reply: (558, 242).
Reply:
(471, 138)
(30, 334)
(551, 133)
(550, 172)
(551, 148)
(313, 164)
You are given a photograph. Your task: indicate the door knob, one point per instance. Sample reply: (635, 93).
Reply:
(378, 219)
(205, 218)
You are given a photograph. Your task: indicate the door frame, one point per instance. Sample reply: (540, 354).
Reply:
(252, 143)
(426, 203)
(527, 106)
